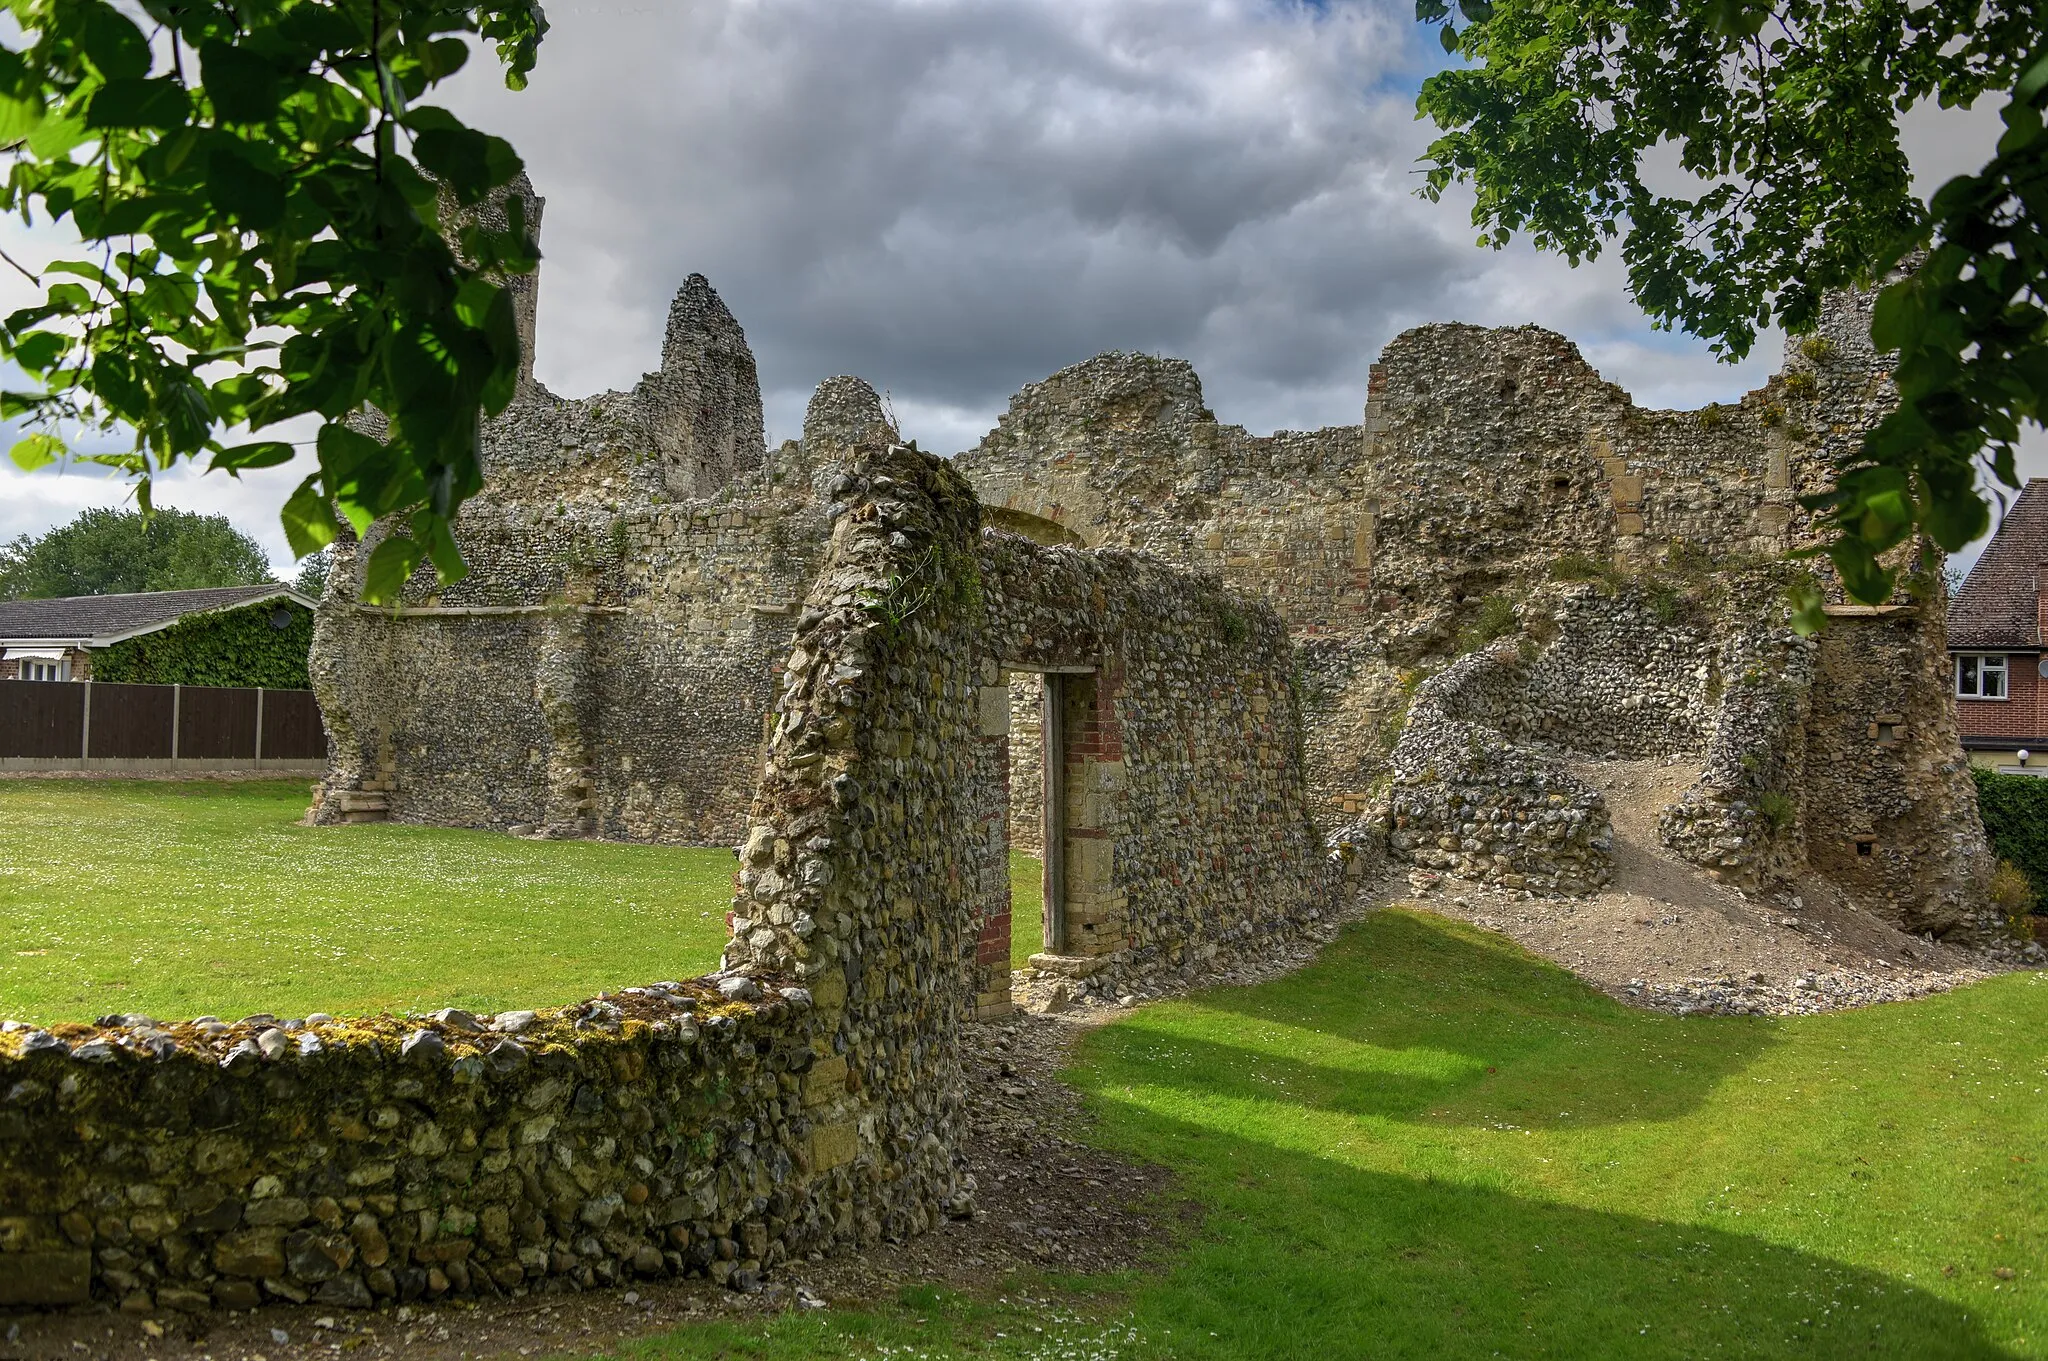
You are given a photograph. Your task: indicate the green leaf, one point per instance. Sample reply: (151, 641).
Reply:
(40, 349)
(473, 301)
(309, 523)
(253, 196)
(159, 103)
(36, 451)
(1448, 36)
(110, 41)
(1896, 318)
(52, 137)
(263, 454)
(241, 84)
(344, 453)
(18, 118)
(390, 567)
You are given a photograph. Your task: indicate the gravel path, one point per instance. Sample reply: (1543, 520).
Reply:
(1663, 934)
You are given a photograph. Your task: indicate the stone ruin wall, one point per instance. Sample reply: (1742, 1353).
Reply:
(608, 665)
(638, 548)
(807, 1097)
(1642, 554)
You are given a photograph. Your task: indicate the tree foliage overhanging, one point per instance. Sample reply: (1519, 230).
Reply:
(1788, 114)
(261, 193)
(109, 552)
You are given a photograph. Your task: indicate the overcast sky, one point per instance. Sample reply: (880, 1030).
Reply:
(953, 198)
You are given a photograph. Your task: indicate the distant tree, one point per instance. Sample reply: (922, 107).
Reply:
(312, 579)
(106, 552)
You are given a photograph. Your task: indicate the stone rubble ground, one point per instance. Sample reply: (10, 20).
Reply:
(1667, 936)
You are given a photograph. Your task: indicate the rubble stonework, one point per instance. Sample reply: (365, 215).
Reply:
(608, 665)
(1491, 468)
(808, 1096)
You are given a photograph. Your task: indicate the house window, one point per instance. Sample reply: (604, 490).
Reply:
(31, 669)
(1981, 676)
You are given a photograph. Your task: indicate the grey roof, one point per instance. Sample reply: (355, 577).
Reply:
(105, 618)
(1997, 606)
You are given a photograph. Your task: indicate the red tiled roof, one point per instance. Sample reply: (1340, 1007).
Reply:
(1998, 604)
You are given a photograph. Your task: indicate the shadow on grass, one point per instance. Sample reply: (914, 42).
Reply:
(1302, 1256)
(1437, 1022)
(1326, 1120)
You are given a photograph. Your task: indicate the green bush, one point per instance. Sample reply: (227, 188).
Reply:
(233, 647)
(2015, 811)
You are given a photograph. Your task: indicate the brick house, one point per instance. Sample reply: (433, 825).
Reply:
(1998, 642)
(54, 640)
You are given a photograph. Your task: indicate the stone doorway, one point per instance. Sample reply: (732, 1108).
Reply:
(1065, 778)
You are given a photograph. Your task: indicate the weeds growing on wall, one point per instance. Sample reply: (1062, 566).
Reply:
(248, 646)
(1495, 619)
(1777, 809)
(2015, 812)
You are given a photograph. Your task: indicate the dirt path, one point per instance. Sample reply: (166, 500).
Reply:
(1665, 934)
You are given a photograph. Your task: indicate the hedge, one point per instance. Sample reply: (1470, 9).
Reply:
(232, 647)
(2015, 810)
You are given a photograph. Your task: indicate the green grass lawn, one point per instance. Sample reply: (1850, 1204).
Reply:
(1027, 908)
(183, 899)
(1430, 1144)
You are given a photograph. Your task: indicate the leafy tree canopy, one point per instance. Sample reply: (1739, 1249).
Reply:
(261, 191)
(107, 552)
(1787, 112)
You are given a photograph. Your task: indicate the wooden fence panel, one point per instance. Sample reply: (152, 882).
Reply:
(217, 723)
(48, 720)
(291, 727)
(41, 718)
(131, 722)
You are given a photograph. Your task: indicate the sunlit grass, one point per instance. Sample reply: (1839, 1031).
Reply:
(1429, 1144)
(180, 899)
(1027, 908)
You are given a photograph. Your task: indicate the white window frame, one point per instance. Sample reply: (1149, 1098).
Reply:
(61, 666)
(1973, 669)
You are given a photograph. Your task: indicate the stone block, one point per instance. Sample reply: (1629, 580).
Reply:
(44, 1278)
(825, 1082)
(833, 1145)
(995, 710)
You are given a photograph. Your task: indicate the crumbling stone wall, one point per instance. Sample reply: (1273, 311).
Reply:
(607, 666)
(635, 556)
(1492, 468)
(683, 1128)
(805, 1098)
(1187, 826)
(1468, 801)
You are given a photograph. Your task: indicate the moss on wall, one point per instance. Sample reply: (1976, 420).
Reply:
(230, 647)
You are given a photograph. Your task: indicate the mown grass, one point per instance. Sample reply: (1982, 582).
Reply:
(1027, 908)
(184, 899)
(1430, 1144)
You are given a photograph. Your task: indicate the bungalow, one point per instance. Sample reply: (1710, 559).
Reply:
(64, 638)
(1998, 642)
